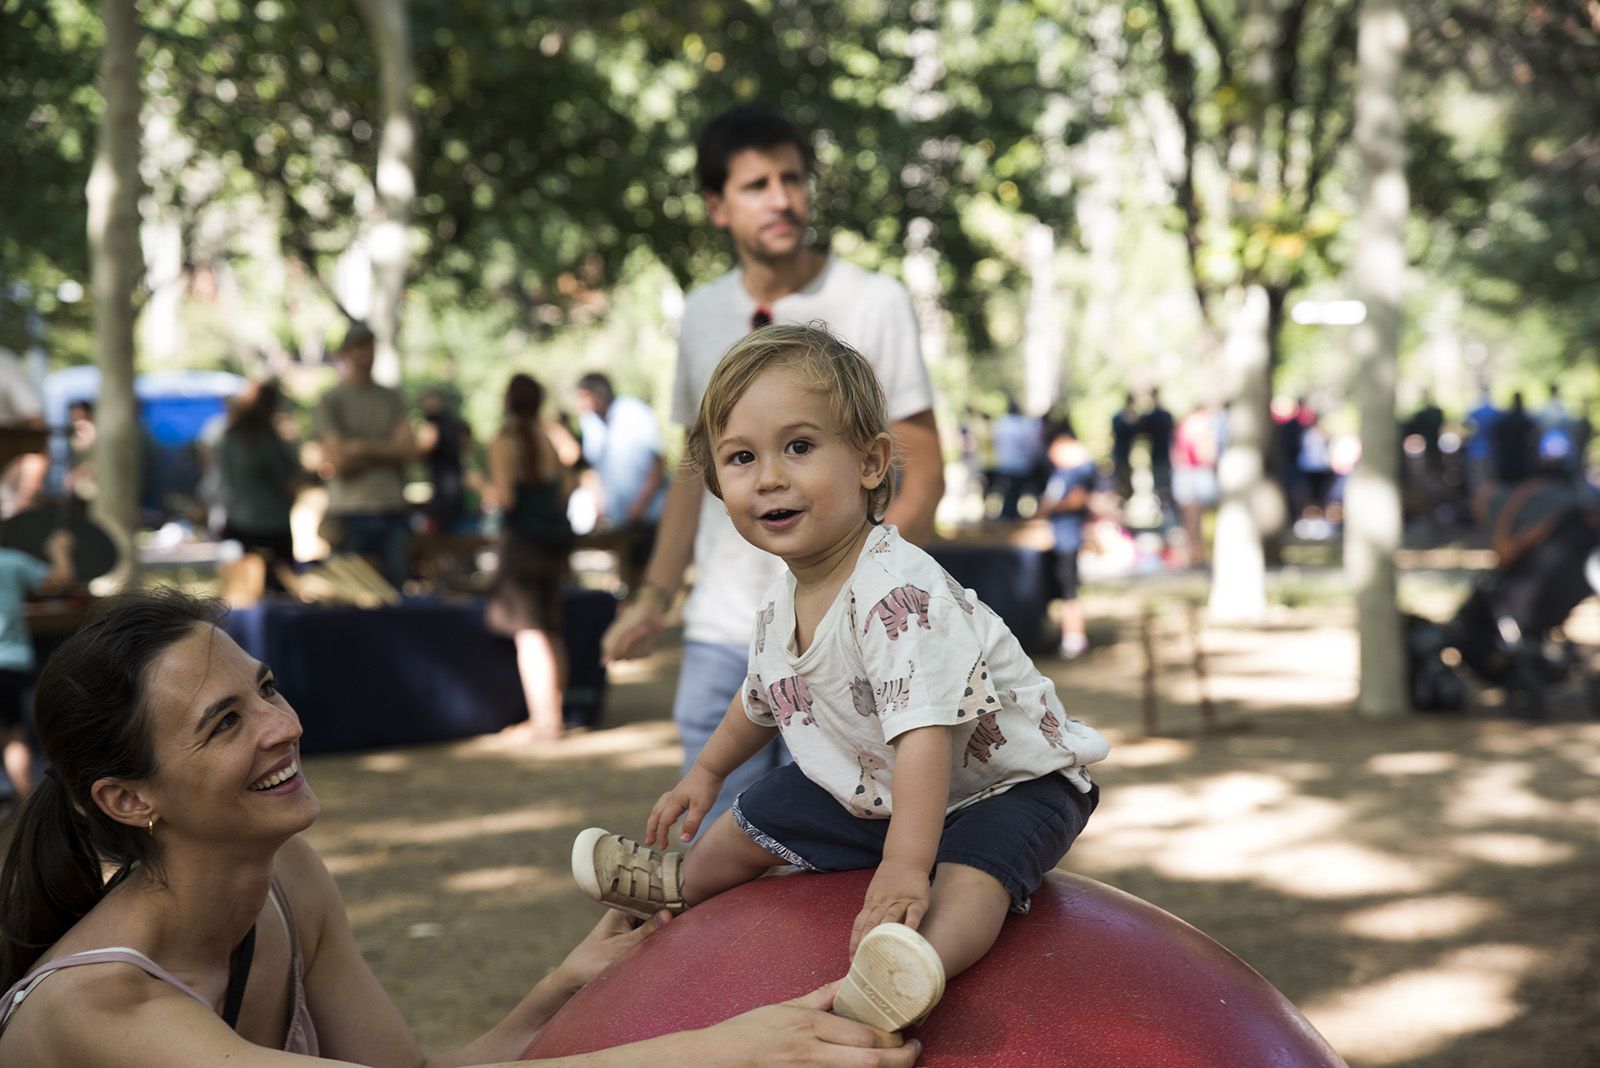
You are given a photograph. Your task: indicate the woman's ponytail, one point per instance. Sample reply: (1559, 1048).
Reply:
(51, 878)
(91, 715)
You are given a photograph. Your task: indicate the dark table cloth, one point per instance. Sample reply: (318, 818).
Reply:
(422, 671)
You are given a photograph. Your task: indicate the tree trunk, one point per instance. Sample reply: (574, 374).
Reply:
(1042, 348)
(1274, 512)
(1238, 574)
(921, 269)
(396, 184)
(1372, 504)
(117, 264)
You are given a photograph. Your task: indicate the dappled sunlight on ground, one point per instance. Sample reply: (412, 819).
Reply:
(1423, 1010)
(405, 832)
(1421, 919)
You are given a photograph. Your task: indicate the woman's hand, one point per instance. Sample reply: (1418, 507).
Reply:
(694, 795)
(612, 937)
(898, 893)
(803, 1031)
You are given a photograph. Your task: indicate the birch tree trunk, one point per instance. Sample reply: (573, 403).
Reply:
(1042, 350)
(1238, 568)
(1372, 504)
(396, 182)
(1249, 498)
(117, 265)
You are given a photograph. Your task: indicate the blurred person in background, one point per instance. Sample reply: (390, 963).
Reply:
(1124, 432)
(366, 443)
(258, 475)
(1197, 445)
(1018, 450)
(1157, 426)
(530, 485)
(622, 445)
(1065, 503)
(445, 444)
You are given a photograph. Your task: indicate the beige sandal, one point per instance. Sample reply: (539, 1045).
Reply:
(895, 979)
(627, 876)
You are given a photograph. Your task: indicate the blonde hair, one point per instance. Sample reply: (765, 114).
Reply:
(826, 364)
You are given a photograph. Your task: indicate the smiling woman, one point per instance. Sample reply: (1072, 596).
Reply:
(219, 935)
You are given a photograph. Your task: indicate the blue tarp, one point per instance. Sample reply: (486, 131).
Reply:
(174, 406)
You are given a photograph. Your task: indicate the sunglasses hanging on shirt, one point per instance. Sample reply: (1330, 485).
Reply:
(762, 316)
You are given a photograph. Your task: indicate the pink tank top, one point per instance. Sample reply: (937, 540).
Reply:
(301, 1036)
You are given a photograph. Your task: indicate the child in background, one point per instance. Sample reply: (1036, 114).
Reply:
(927, 745)
(21, 574)
(1066, 504)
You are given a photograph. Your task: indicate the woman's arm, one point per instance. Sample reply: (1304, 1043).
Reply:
(87, 1017)
(502, 472)
(550, 460)
(898, 892)
(613, 936)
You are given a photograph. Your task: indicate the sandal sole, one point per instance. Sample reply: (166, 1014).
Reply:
(895, 979)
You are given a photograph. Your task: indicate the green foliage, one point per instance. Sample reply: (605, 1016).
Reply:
(1508, 162)
(48, 110)
(556, 203)
(1262, 112)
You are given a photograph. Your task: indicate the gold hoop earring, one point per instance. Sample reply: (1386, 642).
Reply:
(152, 826)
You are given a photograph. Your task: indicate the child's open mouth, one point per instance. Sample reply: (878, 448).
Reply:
(779, 518)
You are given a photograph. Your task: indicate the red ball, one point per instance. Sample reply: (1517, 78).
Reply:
(1091, 977)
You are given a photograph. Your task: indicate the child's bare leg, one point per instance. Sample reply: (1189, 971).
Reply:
(724, 858)
(965, 911)
(18, 762)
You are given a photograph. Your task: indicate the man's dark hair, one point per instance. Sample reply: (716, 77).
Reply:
(359, 334)
(598, 384)
(739, 128)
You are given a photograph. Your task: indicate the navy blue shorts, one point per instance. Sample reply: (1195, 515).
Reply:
(1016, 836)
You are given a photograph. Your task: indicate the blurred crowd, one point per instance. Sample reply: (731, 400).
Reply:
(1157, 485)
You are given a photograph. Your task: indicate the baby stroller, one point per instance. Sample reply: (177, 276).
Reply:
(1547, 537)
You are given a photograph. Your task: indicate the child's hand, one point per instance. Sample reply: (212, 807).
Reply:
(898, 894)
(694, 795)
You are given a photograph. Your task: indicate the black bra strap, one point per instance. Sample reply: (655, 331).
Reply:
(238, 975)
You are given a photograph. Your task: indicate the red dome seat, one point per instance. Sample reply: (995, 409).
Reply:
(1091, 977)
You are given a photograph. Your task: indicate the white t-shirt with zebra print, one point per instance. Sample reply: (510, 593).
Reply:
(904, 646)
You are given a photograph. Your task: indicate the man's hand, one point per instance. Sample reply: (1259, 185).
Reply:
(694, 795)
(634, 632)
(898, 894)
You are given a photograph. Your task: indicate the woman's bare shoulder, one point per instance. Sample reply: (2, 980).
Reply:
(90, 1014)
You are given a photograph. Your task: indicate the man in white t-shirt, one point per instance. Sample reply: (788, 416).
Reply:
(754, 169)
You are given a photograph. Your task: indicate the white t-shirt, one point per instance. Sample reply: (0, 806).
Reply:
(904, 646)
(19, 401)
(870, 311)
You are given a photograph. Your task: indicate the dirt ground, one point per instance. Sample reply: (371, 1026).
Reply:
(1423, 888)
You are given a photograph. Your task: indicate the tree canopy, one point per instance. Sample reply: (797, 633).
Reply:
(554, 150)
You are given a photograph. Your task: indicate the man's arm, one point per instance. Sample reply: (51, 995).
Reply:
(400, 447)
(637, 626)
(916, 439)
(647, 492)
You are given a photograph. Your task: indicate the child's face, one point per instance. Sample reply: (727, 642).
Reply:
(793, 485)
